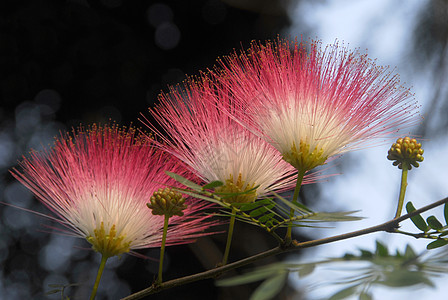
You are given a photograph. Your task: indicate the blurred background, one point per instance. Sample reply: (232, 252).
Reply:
(69, 62)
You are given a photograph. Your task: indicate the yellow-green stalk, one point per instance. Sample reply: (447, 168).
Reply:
(108, 244)
(166, 202)
(243, 193)
(303, 159)
(98, 276)
(405, 153)
(295, 197)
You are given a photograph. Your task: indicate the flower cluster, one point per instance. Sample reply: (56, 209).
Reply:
(215, 146)
(98, 182)
(312, 104)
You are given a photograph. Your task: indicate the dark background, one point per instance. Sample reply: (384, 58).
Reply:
(110, 59)
(69, 62)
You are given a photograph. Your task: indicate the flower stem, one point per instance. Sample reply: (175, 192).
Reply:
(162, 248)
(295, 197)
(404, 184)
(229, 237)
(98, 276)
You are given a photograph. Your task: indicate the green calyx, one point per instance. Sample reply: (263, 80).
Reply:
(167, 202)
(406, 151)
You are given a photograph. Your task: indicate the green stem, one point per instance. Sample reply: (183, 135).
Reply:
(98, 276)
(295, 197)
(162, 248)
(294, 219)
(229, 237)
(403, 185)
(423, 235)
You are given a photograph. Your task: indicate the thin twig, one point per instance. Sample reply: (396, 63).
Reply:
(421, 235)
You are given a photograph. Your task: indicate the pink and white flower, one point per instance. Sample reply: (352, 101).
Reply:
(98, 182)
(215, 146)
(312, 104)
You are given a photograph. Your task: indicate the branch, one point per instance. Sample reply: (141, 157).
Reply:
(155, 288)
(388, 226)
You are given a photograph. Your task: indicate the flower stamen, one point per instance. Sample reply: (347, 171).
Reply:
(245, 192)
(108, 244)
(303, 158)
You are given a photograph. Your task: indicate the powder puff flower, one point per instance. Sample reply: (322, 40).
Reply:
(312, 104)
(98, 183)
(216, 147)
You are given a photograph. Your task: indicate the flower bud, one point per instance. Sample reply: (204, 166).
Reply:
(406, 150)
(167, 202)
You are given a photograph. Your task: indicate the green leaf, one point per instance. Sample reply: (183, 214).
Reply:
(409, 253)
(53, 292)
(403, 278)
(344, 293)
(250, 277)
(60, 288)
(366, 253)
(445, 212)
(418, 221)
(184, 181)
(306, 269)
(381, 250)
(267, 217)
(434, 223)
(365, 296)
(258, 212)
(199, 196)
(348, 256)
(436, 244)
(246, 206)
(270, 287)
(254, 205)
(212, 185)
(297, 206)
(335, 216)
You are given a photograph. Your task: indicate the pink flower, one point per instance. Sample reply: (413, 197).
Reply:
(98, 183)
(215, 146)
(312, 104)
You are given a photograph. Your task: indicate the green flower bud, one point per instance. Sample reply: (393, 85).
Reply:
(167, 202)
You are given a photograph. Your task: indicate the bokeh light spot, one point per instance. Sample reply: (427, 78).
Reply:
(167, 36)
